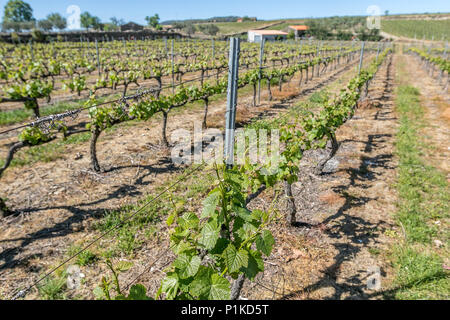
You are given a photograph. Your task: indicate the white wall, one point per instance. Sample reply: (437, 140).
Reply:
(255, 37)
(251, 36)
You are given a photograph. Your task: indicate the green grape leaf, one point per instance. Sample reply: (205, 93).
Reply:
(170, 220)
(220, 288)
(169, 286)
(208, 285)
(210, 204)
(243, 229)
(201, 285)
(221, 245)
(138, 292)
(209, 235)
(244, 213)
(255, 265)
(235, 259)
(123, 266)
(99, 294)
(265, 242)
(188, 221)
(187, 266)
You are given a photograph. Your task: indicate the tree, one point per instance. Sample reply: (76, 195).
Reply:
(343, 35)
(88, 21)
(110, 27)
(117, 22)
(85, 20)
(18, 26)
(96, 23)
(57, 21)
(11, 25)
(17, 11)
(291, 35)
(153, 21)
(178, 25)
(209, 29)
(318, 30)
(190, 28)
(45, 25)
(386, 13)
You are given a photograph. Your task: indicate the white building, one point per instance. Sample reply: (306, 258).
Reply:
(267, 35)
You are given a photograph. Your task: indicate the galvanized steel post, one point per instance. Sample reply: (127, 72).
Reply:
(233, 74)
(261, 59)
(361, 58)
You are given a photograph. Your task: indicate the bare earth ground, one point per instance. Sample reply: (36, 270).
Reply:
(342, 216)
(58, 201)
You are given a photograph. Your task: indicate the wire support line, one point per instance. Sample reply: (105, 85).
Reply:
(22, 293)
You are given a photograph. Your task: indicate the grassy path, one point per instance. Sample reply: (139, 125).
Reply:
(420, 257)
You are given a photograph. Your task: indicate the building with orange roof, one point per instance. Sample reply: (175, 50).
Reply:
(299, 30)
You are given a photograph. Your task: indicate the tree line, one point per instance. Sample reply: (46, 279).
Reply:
(340, 28)
(18, 16)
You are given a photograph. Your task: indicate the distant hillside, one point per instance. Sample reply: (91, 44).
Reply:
(428, 27)
(339, 28)
(418, 16)
(423, 25)
(236, 28)
(209, 20)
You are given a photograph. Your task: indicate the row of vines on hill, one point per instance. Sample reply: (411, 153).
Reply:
(219, 250)
(432, 62)
(28, 75)
(146, 106)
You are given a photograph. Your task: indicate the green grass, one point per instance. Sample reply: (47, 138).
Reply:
(22, 114)
(418, 28)
(54, 287)
(31, 155)
(14, 116)
(423, 200)
(420, 275)
(319, 97)
(76, 138)
(420, 186)
(85, 258)
(235, 27)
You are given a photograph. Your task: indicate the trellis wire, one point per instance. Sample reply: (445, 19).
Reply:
(74, 113)
(60, 116)
(21, 293)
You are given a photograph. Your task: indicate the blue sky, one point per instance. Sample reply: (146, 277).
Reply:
(136, 10)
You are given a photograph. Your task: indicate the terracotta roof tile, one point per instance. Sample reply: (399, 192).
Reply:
(299, 28)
